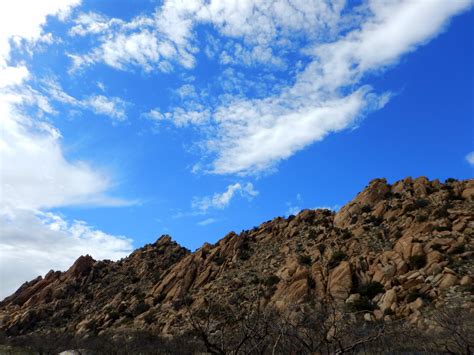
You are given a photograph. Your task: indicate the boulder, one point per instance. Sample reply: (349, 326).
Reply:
(340, 281)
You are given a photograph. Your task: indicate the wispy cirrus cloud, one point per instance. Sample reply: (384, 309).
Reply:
(222, 200)
(250, 135)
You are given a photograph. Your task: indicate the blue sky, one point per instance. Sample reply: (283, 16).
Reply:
(122, 122)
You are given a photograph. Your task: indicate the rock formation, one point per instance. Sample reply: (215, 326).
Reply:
(395, 251)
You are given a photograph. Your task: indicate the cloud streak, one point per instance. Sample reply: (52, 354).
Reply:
(222, 200)
(247, 135)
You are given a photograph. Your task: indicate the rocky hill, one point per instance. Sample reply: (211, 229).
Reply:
(396, 253)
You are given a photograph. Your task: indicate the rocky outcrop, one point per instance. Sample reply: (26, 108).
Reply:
(396, 250)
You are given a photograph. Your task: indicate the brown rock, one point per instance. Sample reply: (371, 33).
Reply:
(448, 281)
(340, 281)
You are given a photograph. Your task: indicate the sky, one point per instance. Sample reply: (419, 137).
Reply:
(122, 121)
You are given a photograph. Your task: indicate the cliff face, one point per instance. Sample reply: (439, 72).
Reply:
(395, 251)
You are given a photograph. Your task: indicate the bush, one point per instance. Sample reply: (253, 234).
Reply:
(417, 261)
(421, 218)
(437, 247)
(322, 248)
(272, 280)
(361, 305)
(219, 260)
(304, 259)
(449, 180)
(366, 208)
(421, 203)
(371, 289)
(181, 302)
(336, 258)
(458, 249)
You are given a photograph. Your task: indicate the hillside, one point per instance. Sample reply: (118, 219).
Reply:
(398, 254)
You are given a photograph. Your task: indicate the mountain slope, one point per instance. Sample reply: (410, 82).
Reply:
(395, 251)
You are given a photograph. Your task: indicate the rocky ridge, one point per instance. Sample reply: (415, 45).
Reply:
(395, 251)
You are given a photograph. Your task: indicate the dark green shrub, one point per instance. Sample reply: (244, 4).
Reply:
(219, 260)
(366, 208)
(417, 261)
(149, 318)
(336, 258)
(140, 308)
(114, 315)
(371, 289)
(322, 248)
(458, 249)
(421, 203)
(181, 302)
(437, 247)
(304, 259)
(450, 180)
(160, 298)
(421, 218)
(361, 305)
(388, 312)
(272, 280)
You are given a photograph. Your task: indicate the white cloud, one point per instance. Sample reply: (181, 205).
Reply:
(222, 200)
(253, 135)
(207, 222)
(33, 243)
(470, 158)
(153, 42)
(113, 107)
(34, 173)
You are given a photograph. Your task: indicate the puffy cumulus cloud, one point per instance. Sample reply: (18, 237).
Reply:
(34, 173)
(328, 94)
(222, 200)
(166, 37)
(32, 243)
(470, 158)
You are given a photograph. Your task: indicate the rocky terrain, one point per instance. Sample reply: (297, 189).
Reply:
(401, 252)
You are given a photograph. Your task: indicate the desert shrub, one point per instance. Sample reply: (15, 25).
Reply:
(312, 234)
(388, 195)
(414, 295)
(149, 318)
(346, 234)
(377, 221)
(304, 259)
(140, 308)
(181, 302)
(321, 248)
(421, 218)
(370, 289)
(158, 299)
(437, 247)
(388, 312)
(114, 315)
(450, 180)
(336, 258)
(361, 305)
(219, 260)
(421, 203)
(272, 280)
(366, 208)
(458, 249)
(417, 261)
